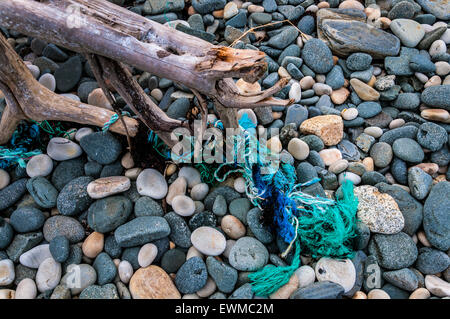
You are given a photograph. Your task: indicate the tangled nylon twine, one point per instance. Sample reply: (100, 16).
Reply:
(311, 224)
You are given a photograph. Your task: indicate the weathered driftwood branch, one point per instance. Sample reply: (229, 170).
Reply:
(108, 30)
(28, 99)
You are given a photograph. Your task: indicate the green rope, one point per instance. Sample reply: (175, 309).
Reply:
(113, 120)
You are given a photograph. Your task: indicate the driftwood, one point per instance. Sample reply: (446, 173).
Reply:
(100, 28)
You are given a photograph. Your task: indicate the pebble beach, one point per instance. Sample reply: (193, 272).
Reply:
(370, 84)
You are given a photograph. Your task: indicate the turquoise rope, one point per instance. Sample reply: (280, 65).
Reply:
(113, 120)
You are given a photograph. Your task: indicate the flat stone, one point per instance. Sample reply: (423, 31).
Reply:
(208, 241)
(108, 186)
(107, 214)
(410, 32)
(341, 272)
(62, 149)
(152, 183)
(102, 147)
(436, 218)
(42, 191)
(141, 230)
(248, 254)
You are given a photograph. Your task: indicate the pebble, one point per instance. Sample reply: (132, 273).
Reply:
(349, 114)
(330, 156)
(78, 277)
(26, 289)
(183, 205)
(298, 149)
(341, 272)
(395, 251)
(328, 127)
(39, 165)
(317, 56)
(98, 98)
(105, 268)
(192, 276)
(408, 150)
(48, 81)
(7, 273)
(178, 187)
(60, 248)
(42, 191)
(147, 255)
(63, 226)
(108, 291)
(102, 147)
(62, 149)
(419, 182)
(34, 257)
(378, 211)
(208, 241)
(82, 132)
(27, 219)
(378, 294)
(108, 213)
(364, 91)
(437, 286)
(420, 293)
(199, 191)
(432, 261)
(295, 92)
(306, 276)
(141, 230)
(73, 198)
(408, 31)
(248, 254)
(93, 244)
(239, 185)
(151, 183)
(191, 174)
(4, 179)
(319, 290)
(108, 186)
(232, 227)
(435, 218)
(48, 275)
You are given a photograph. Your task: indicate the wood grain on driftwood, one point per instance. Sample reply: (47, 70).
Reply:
(112, 33)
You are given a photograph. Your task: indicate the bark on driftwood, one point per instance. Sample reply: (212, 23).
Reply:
(114, 33)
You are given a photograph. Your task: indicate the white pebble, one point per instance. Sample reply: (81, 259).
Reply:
(48, 81)
(193, 252)
(208, 289)
(34, 257)
(239, 185)
(437, 47)
(183, 205)
(191, 174)
(26, 289)
(208, 241)
(298, 149)
(295, 92)
(151, 183)
(62, 149)
(322, 89)
(147, 254)
(7, 273)
(34, 70)
(71, 96)
(199, 191)
(305, 275)
(340, 271)
(374, 131)
(39, 165)
(125, 271)
(442, 68)
(349, 114)
(48, 275)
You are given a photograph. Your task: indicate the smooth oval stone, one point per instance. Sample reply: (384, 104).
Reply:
(7, 273)
(178, 187)
(183, 205)
(108, 291)
(298, 148)
(192, 276)
(48, 275)
(437, 96)
(248, 254)
(79, 277)
(35, 256)
(408, 31)
(151, 183)
(147, 255)
(432, 261)
(48, 80)
(141, 230)
(62, 149)
(172, 260)
(26, 289)
(125, 271)
(12, 193)
(105, 268)
(107, 214)
(107, 186)
(419, 182)
(67, 171)
(381, 154)
(102, 147)
(152, 282)
(408, 150)
(73, 198)
(82, 132)
(317, 56)
(42, 191)
(4, 179)
(191, 174)
(39, 165)
(306, 276)
(437, 286)
(208, 241)
(340, 271)
(355, 179)
(180, 233)
(199, 191)
(431, 136)
(63, 226)
(27, 219)
(404, 279)
(60, 248)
